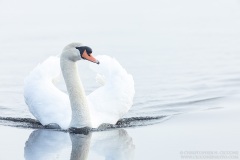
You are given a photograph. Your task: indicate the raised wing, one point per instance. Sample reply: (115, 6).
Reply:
(45, 101)
(114, 98)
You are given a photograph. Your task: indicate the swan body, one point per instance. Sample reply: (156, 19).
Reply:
(106, 104)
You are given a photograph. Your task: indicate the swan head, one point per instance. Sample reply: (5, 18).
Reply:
(77, 51)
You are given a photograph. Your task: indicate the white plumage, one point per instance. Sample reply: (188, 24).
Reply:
(107, 104)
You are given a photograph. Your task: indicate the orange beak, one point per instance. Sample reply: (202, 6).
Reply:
(90, 57)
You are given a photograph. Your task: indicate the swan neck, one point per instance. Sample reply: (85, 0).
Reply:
(77, 97)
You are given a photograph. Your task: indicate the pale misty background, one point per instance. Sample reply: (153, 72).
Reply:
(184, 56)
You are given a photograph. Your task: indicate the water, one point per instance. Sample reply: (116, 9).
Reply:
(183, 55)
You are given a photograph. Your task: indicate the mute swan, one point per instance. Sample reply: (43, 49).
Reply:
(106, 104)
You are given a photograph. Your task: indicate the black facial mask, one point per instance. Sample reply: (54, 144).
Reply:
(83, 48)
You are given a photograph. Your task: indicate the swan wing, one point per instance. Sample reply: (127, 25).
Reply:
(45, 101)
(114, 98)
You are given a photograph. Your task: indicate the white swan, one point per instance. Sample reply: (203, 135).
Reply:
(106, 104)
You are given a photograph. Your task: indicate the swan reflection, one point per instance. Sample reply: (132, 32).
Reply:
(80, 146)
(48, 144)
